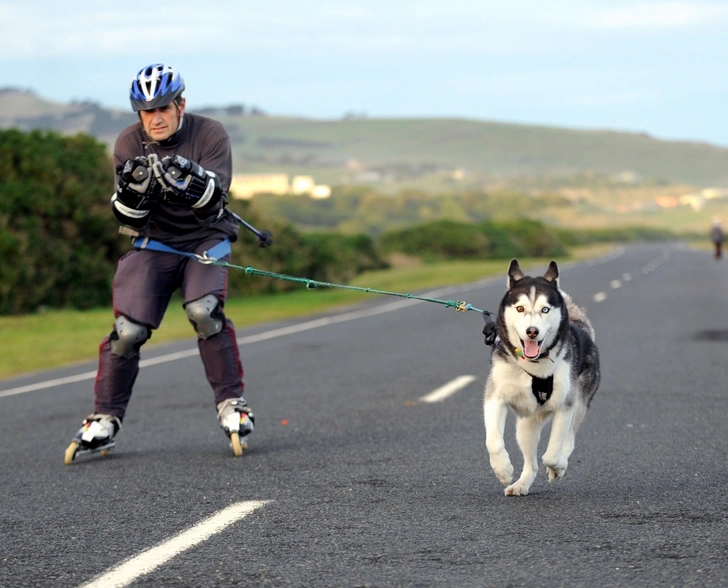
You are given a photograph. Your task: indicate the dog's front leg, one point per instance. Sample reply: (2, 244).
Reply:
(554, 458)
(528, 432)
(495, 413)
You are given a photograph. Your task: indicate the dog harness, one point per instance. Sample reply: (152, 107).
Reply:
(542, 388)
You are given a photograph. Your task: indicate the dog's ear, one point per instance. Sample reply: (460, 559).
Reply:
(552, 274)
(514, 273)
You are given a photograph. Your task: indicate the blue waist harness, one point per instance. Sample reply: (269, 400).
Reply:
(217, 252)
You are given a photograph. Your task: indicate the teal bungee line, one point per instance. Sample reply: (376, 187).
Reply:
(458, 305)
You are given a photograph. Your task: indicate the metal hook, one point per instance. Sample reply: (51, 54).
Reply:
(204, 258)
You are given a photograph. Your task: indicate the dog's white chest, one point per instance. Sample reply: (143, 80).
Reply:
(515, 388)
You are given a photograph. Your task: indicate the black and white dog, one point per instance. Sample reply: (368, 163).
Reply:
(544, 364)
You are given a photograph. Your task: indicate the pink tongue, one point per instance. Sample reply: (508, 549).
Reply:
(530, 348)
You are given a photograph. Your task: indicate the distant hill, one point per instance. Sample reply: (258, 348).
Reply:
(397, 147)
(362, 150)
(26, 111)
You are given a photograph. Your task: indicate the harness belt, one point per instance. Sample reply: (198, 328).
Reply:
(217, 252)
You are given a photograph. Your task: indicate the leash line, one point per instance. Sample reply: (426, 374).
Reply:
(458, 305)
(213, 256)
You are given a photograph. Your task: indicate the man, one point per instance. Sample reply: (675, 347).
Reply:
(716, 235)
(173, 173)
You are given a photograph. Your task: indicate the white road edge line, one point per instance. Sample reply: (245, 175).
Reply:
(448, 389)
(308, 325)
(129, 570)
(48, 384)
(314, 324)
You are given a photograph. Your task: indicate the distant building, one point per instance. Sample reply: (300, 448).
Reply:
(320, 192)
(302, 185)
(667, 201)
(695, 201)
(245, 186)
(711, 193)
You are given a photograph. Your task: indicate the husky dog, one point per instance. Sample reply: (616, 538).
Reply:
(544, 364)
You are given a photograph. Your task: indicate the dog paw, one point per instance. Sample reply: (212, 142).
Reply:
(555, 468)
(504, 479)
(517, 489)
(555, 473)
(503, 469)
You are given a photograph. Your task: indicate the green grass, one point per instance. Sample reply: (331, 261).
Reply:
(59, 338)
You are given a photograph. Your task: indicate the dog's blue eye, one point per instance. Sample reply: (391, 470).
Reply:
(545, 310)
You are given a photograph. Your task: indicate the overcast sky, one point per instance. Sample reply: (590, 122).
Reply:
(659, 67)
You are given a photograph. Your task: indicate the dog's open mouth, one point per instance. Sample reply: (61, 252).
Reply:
(531, 348)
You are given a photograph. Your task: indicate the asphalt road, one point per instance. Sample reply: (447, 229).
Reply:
(352, 479)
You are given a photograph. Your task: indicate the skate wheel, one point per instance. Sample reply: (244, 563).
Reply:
(104, 452)
(235, 442)
(71, 452)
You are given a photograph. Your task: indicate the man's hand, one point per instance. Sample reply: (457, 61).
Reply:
(135, 176)
(136, 192)
(189, 184)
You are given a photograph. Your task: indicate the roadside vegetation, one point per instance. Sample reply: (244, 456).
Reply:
(59, 247)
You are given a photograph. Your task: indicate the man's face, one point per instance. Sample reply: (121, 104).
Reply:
(161, 123)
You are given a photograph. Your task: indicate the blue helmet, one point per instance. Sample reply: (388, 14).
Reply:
(155, 86)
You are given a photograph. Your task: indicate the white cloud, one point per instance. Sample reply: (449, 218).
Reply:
(73, 28)
(661, 15)
(68, 28)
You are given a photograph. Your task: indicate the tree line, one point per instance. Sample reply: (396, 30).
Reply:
(59, 241)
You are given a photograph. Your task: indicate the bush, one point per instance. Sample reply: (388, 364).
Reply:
(488, 240)
(325, 257)
(439, 240)
(339, 257)
(58, 243)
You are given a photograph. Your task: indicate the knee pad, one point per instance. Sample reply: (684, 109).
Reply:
(206, 316)
(128, 337)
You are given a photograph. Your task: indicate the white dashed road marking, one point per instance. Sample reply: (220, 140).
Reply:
(129, 570)
(614, 284)
(448, 389)
(600, 297)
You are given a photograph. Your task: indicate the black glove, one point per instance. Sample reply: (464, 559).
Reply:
(136, 178)
(189, 184)
(136, 192)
